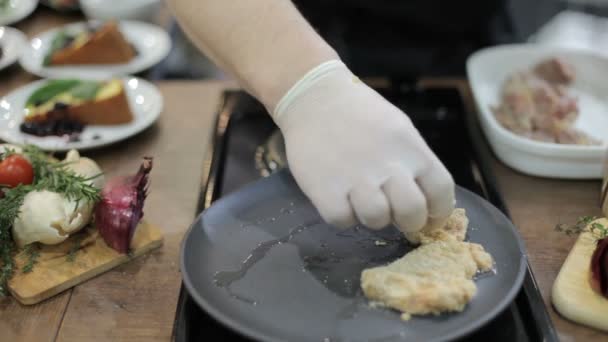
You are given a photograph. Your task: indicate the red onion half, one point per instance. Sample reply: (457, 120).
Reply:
(121, 207)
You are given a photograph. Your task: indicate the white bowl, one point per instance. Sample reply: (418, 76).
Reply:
(144, 10)
(488, 68)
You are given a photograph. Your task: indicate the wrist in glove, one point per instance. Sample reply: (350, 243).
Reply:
(357, 157)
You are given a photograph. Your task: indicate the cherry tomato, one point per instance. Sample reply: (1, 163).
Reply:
(15, 170)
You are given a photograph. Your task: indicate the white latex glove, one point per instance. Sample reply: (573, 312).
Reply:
(359, 158)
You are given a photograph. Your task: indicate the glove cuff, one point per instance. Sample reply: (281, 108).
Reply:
(305, 83)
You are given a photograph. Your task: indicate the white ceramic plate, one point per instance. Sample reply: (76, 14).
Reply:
(17, 10)
(488, 68)
(144, 98)
(152, 44)
(12, 42)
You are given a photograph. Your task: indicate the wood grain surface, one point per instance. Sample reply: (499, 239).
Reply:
(40, 322)
(135, 301)
(536, 206)
(82, 256)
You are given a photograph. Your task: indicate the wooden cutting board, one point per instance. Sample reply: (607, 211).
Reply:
(81, 257)
(572, 295)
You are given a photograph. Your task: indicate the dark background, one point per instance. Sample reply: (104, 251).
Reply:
(405, 39)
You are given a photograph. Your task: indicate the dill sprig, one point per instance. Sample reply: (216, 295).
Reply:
(8, 266)
(9, 210)
(48, 175)
(7, 153)
(31, 253)
(71, 256)
(577, 228)
(584, 223)
(599, 230)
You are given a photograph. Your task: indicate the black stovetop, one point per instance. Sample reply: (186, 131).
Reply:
(451, 132)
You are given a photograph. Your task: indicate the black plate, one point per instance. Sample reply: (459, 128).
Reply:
(262, 262)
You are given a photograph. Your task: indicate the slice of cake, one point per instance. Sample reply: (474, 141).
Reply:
(63, 107)
(102, 45)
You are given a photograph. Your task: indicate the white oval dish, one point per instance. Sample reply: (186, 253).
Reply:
(488, 68)
(17, 10)
(152, 43)
(12, 42)
(145, 100)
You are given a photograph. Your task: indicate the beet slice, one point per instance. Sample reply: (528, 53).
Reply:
(599, 268)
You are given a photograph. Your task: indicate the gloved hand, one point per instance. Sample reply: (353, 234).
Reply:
(359, 158)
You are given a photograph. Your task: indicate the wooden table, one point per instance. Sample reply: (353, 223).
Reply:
(137, 301)
(536, 206)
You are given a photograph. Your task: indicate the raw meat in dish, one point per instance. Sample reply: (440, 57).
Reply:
(536, 104)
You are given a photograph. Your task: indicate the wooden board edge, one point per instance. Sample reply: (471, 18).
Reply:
(85, 276)
(572, 302)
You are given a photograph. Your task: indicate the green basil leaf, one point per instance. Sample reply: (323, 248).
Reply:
(59, 42)
(50, 90)
(86, 90)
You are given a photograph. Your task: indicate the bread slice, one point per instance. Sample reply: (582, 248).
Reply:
(107, 45)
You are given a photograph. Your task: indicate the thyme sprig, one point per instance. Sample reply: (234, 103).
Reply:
(56, 177)
(584, 223)
(577, 228)
(48, 175)
(599, 230)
